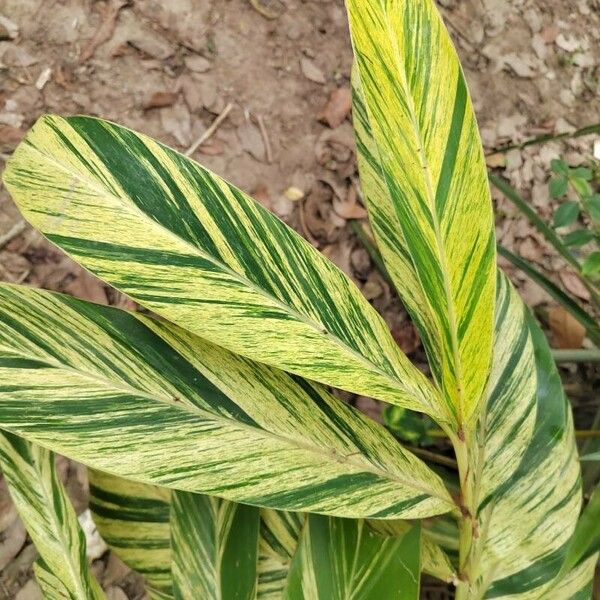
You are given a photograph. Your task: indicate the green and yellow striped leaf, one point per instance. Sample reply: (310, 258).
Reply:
(183, 242)
(279, 535)
(343, 559)
(528, 507)
(425, 182)
(146, 400)
(133, 519)
(215, 548)
(42, 503)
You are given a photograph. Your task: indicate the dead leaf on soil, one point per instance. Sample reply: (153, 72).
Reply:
(160, 100)
(574, 285)
(252, 140)
(110, 12)
(349, 208)
(337, 108)
(87, 287)
(567, 332)
(406, 337)
(13, 539)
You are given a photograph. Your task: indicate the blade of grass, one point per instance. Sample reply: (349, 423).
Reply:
(549, 233)
(548, 137)
(591, 327)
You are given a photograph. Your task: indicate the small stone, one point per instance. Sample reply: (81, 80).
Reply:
(293, 194)
(196, 63)
(311, 71)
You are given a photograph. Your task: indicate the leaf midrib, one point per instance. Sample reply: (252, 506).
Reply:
(227, 422)
(319, 327)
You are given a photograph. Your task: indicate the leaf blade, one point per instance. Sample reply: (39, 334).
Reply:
(343, 559)
(418, 116)
(289, 444)
(215, 548)
(133, 519)
(50, 519)
(196, 243)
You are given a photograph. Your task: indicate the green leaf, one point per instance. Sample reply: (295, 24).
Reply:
(560, 167)
(586, 539)
(405, 424)
(215, 548)
(183, 242)
(579, 237)
(420, 156)
(133, 519)
(341, 559)
(576, 310)
(582, 173)
(148, 401)
(591, 265)
(566, 213)
(42, 502)
(558, 186)
(593, 206)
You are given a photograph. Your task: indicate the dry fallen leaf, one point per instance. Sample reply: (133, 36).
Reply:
(105, 32)
(337, 108)
(349, 208)
(406, 337)
(574, 285)
(87, 287)
(160, 100)
(567, 332)
(251, 140)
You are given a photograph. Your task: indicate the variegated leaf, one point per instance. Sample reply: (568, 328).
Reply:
(133, 519)
(343, 559)
(215, 548)
(146, 400)
(42, 502)
(279, 535)
(183, 242)
(527, 515)
(425, 182)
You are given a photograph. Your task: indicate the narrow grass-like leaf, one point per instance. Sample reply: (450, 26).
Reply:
(576, 310)
(133, 519)
(547, 231)
(146, 400)
(215, 548)
(417, 135)
(343, 559)
(183, 242)
(42, 502)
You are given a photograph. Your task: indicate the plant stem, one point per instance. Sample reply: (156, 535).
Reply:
(588, 129)
(468, 524)
(577, 356)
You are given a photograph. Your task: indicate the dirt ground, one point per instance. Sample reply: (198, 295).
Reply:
(277, 71)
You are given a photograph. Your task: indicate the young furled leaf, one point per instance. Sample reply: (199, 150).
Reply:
(146, 400)
(420, 156)
(193, 248)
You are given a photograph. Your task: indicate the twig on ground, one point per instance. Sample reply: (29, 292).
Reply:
(209, 132)
(13, 232)
(265, 137)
